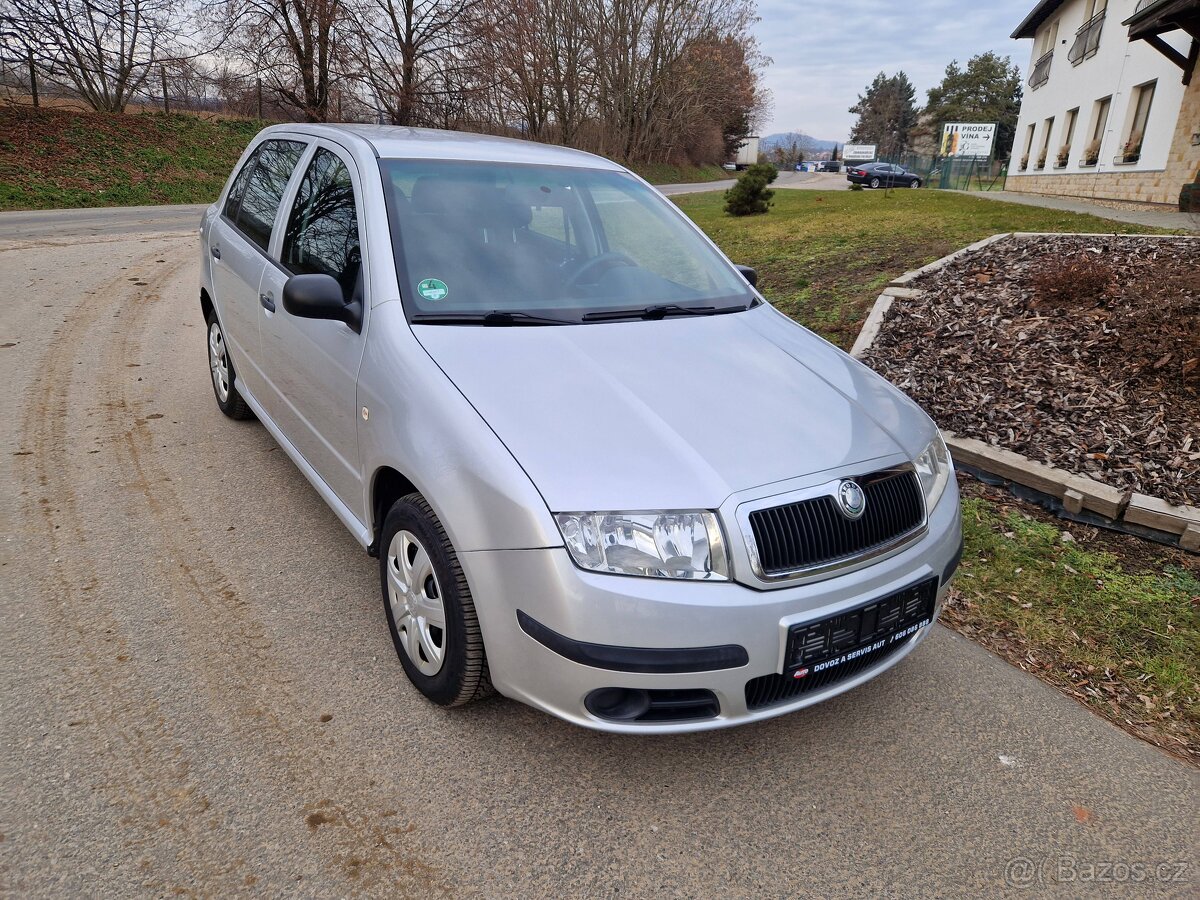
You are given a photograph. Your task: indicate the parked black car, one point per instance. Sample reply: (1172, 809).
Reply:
(882, 175)
(829, 165)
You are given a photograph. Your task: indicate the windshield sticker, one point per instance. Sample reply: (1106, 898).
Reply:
(433, 289)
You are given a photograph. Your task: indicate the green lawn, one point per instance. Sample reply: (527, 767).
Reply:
(823, 256)
(1120, 633)
(54, 158)
(664, 173)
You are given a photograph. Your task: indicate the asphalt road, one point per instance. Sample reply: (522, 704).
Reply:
(810, 181)
(200, 695)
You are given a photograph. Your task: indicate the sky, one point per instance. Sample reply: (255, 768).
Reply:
(826, 53)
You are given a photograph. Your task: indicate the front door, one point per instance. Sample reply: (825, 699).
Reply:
(311, 365)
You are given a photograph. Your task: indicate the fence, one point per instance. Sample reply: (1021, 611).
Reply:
(224, 95)
(965, 174)
(953, 172)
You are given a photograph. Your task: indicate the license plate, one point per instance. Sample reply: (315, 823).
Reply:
(817, 646)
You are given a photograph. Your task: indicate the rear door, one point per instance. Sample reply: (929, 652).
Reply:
(311, 365)
(239, 243)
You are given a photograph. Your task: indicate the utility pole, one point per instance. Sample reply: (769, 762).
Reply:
(33, 79)
(162, 74)
(258, 79)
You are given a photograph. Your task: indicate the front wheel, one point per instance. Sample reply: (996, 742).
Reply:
(428, 605)
(915, 183)
(875, 182)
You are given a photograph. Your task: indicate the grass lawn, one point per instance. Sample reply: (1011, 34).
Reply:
(1110, 619)
(55, 158)
(664, 173)
(823, 256)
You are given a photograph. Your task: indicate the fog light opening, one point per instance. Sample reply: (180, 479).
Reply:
(619, 704)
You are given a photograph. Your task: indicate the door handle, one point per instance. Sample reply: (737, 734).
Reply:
(267, 301)
(216, 252)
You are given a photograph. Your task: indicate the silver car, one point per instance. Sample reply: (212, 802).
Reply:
(602, 475)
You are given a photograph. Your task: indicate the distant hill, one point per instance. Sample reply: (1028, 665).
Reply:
(806, 142)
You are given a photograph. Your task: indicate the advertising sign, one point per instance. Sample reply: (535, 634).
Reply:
(967, 139)
(858, 152)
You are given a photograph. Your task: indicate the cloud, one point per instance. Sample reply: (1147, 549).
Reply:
(826, 53)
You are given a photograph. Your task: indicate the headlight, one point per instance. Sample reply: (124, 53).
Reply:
(657, 543)
(933, 468)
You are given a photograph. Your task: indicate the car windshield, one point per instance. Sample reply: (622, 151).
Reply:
(522, 244)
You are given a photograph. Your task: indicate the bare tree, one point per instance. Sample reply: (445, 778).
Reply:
(296, 46)
(415, 54)
(105, 50)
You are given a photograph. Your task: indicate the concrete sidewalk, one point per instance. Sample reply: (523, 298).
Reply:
(1165, 218)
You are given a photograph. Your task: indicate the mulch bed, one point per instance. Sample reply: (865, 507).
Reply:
(1082, 352)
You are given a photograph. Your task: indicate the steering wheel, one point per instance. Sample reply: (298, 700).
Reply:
(597, 265)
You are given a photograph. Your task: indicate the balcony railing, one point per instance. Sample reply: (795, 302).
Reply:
(1087, 39)
(1041, 70)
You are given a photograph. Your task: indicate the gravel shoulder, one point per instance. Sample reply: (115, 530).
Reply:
(201, 696)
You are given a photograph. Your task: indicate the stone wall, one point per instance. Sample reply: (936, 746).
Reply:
(1157, 186)
(1184, 161)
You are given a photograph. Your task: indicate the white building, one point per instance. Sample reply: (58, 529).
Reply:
(1111, 109)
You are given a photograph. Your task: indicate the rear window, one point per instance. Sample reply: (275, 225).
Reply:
(269, 171)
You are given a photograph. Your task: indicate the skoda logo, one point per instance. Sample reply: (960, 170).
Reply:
(851, 499)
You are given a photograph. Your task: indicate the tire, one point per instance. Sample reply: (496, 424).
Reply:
(420, 575)
(915, 183)
(220, 368)
(875, 182)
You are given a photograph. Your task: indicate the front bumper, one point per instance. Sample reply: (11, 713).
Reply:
(618, 611)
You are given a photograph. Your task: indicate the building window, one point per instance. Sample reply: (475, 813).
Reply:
(1028, 147)
(1091, 153)
(1045, 151)
(1043, 56)
(1087, 38)
(1143, 94)
(1064, 152)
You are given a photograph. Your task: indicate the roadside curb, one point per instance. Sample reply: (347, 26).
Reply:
(1077, 496)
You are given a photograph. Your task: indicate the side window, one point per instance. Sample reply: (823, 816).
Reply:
(322, 230)
(234, 200)
(274, 162)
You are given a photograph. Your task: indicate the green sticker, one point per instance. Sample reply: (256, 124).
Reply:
(433, 289)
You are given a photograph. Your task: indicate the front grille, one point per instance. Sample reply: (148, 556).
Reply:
(815, 532)
(769, 690)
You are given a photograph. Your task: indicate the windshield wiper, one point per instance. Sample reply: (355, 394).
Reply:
(661, 311)
(495, 317)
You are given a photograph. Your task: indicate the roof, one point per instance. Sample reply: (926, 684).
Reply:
(398, 141)
(1032, 22)
(1158, 16)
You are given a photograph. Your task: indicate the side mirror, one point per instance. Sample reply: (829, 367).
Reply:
(319, 296)
(748, 273)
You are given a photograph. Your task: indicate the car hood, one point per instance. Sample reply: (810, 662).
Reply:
(673, 414)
